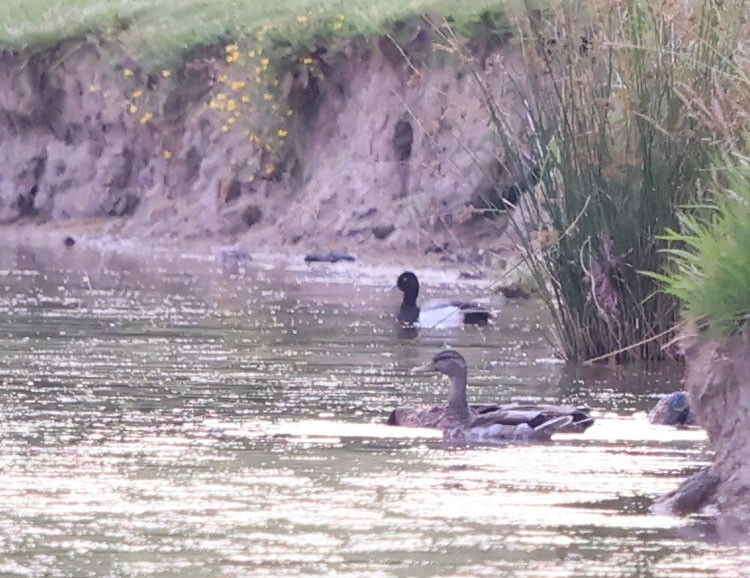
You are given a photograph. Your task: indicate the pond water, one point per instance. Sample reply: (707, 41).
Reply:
(191, 421)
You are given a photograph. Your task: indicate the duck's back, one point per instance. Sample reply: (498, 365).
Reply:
(444, 313)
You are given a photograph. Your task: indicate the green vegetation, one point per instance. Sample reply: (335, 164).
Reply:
(710, 254)
(160, 31)
(623, 128)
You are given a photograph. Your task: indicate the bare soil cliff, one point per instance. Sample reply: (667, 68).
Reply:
(386, 156)
(717, 379)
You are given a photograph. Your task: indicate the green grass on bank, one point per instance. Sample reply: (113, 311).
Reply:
(711, 254)
(161, 30)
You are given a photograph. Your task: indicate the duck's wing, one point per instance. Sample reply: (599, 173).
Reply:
(551, 425)
(508, 425)
(441, 313)
(480, 408)
(516, 416)
(473, 313)
(580, 421)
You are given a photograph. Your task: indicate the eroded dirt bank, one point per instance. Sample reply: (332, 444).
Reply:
(717, 380)
(384, 157)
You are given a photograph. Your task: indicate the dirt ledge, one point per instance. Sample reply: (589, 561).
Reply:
(392, 159)
(718, 383)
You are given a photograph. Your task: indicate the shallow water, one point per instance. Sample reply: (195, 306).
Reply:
(210, 423)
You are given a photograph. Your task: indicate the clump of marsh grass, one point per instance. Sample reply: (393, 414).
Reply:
(619, 148)
(710, 257)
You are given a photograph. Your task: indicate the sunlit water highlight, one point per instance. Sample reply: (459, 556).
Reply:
(215, 424)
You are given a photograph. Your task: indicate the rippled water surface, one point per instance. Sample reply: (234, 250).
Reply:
(191, 421)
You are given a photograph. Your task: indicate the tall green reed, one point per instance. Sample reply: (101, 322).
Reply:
(619, 149)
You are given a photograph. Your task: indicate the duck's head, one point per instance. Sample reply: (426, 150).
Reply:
(407, 283)
(448, 362)
(452, 364)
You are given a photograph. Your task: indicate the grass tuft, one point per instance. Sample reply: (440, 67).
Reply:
(710, 257)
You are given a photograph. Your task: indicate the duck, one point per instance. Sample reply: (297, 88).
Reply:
(462, 422)
(435, 313)
(673, 409)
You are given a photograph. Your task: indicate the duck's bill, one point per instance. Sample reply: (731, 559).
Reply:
(424, 368)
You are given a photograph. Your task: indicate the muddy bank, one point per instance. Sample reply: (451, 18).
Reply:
(716, 378)
(382, 155)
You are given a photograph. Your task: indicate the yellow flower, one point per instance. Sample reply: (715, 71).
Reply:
(337, 26)
(245, 98)
(302, 19)
(147, 117)
(231, 120)
(238, 85)
(225, 128)
(221, 96)
(264, 62)
(231, 104)
(222, 78)
(167, 154)
(267, 96)
(251, 54)
(341, 17)
(127, 73)
(269, 169)
(282, 133)
(132, 109)
(307, 60)
(137, 93)
(166, 73)
(233, 57)
(230, 48)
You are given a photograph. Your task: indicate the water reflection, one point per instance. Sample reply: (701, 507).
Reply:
(206, 423)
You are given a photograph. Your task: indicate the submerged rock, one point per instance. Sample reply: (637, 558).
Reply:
(673, 409)
(233, 259)
(330, 257)
(383, 231)
(692, 495)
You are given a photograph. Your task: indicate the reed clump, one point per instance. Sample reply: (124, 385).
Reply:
(624, 120)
